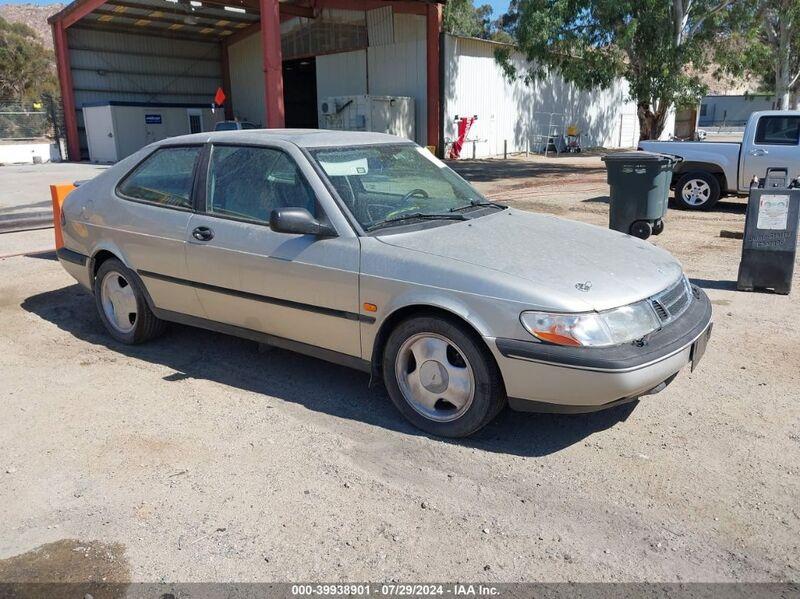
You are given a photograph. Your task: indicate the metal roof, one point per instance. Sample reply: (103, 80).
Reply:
(210, 20)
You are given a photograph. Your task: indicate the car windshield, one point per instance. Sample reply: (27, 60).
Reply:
(226, 126)
(388, 185)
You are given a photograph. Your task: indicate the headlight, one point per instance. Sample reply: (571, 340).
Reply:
(593, 329)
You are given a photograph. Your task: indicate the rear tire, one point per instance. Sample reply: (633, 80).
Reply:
(122, 306)
(658, 227)
(441, 377)
(698, 190)
(641, 229)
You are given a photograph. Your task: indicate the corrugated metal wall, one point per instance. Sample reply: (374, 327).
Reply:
(400, 70)
(342, 74)
(247, 79)
(384, 68)
(380, 26)
(139, 68)
(517, 113)
(395, 69)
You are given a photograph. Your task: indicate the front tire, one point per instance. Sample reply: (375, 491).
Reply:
(697, 190)
(441, 377)
(122, 306)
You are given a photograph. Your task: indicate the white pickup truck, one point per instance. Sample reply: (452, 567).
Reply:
(712, 169)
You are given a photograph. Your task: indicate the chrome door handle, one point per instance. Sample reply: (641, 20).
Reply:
(203, 234)
(758, 152)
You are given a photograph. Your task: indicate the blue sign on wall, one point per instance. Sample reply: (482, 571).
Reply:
(152, 119)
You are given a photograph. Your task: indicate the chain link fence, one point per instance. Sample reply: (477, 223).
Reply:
(21, 121)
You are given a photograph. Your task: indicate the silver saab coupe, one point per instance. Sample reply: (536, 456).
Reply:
(364, 249)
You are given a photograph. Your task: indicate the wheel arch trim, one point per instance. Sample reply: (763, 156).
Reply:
(688, 168)
(105, 247)
(420, 305)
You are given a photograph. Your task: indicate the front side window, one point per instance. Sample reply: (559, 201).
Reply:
(388, 183)
(250, 182)
(165, 178)
(778, 130)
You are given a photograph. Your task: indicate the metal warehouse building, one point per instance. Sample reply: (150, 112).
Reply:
(148, 69)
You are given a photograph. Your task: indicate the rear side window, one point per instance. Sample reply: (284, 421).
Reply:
(249, 183)
(778, 130)
(164, 178)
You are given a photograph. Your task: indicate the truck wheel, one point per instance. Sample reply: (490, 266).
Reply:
(697, 190)
(441, 377)
(641, 229)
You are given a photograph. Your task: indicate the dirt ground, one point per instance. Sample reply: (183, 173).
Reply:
(197, 458)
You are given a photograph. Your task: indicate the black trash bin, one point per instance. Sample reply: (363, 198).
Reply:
(639, 191)
(769, 247)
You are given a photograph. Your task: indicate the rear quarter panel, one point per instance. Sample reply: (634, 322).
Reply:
(700, 155)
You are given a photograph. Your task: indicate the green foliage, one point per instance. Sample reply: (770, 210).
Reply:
(462, 18)
(763, 39)
(26, 67)
(656, 45)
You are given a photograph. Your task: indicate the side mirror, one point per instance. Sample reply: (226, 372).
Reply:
(298, 221)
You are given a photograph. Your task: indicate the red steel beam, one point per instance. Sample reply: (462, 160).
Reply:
(434, 28)
(80, 11)
(273, 63)
(67, 93)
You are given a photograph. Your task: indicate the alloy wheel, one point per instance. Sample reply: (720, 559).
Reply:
(119, 302)
(696, 192)
(435, 377)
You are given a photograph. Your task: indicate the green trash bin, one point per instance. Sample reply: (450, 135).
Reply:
(639, 191)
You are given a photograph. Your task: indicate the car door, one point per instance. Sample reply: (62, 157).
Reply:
(150, 220)
(774, 145)
(299, 287)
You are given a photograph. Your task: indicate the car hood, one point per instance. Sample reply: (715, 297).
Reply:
(571, 265)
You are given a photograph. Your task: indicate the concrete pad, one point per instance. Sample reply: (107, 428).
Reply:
(26, 242)
(25, 189)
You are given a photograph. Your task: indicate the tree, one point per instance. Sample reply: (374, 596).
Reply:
(462, 18)
(658, 46)
(26, 67)
(765, 40)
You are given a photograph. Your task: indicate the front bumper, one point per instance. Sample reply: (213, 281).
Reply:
(541, 377)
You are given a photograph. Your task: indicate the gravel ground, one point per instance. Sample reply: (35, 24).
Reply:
(197, 458)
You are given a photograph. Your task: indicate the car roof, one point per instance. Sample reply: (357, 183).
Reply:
(304, 138)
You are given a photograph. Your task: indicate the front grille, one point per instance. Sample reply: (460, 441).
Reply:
(671, 303)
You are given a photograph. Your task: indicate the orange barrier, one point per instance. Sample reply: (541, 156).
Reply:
(59, 193)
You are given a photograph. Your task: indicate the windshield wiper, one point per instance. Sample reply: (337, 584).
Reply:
(414, 216)
(478, 204)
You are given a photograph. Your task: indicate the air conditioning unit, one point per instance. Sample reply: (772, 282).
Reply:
(328, 106)
(381, 114)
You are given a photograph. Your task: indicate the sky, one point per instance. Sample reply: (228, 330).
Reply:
(38, 2)
(499, 6)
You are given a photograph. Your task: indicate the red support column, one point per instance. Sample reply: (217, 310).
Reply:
(434, 27)
(273, 63)
(226, 81)
(67, 93)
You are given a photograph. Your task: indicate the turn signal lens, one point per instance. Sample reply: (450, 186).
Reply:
(370, 307)
(592, 329)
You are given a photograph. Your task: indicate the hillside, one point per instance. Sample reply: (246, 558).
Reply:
(34, 16)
